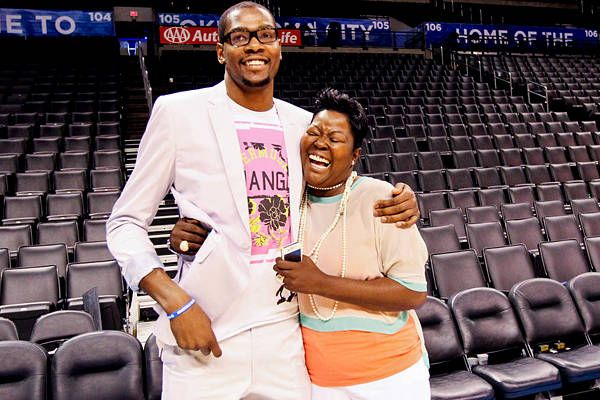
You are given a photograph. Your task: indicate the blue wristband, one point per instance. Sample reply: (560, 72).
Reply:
(183, 309)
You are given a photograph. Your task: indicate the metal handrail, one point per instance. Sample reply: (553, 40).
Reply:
(145, 78)
(479, 68)
(543, 96)
(499, 76)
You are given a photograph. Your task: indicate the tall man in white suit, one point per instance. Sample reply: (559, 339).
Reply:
(230, 156)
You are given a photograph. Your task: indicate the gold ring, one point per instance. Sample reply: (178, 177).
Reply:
(184, 246)
(279, 278)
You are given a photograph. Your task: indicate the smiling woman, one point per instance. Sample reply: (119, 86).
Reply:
(360, 279)
(331, 145)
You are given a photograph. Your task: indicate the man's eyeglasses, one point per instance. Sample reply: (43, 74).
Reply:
(242, 38)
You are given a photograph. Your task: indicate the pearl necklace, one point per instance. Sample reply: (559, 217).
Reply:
(325, 188)
(314, 253)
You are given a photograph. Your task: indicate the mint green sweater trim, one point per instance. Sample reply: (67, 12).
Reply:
(354, 324)
(417, 287)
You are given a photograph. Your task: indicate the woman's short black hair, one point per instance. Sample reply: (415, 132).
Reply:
(333, 99)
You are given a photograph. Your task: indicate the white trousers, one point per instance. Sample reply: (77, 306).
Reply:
(410, 384)
(266, 362)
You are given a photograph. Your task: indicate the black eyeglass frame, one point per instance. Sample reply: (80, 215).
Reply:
(227, 36)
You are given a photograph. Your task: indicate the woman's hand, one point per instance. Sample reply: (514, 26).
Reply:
(401, 209)
(191, 230)
(301, 276)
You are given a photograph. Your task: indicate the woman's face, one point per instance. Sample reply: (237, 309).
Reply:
(327, 149)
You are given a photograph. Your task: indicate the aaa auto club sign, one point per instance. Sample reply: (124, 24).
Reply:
(190, 35)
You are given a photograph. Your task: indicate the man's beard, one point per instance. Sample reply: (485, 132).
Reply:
(258, 84)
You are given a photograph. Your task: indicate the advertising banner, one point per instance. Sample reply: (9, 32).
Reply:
(495, 37)
(210, 35)
(22, 22)
(313, 31)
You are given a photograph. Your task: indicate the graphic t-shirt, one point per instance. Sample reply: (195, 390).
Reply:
(264, 157)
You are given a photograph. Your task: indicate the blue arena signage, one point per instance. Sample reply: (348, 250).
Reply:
(21, 22)
(496, 37)
(315, 31)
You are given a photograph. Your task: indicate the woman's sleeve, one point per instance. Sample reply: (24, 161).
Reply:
(403, 255)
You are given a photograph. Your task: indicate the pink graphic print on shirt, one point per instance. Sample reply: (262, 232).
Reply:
(262, 146)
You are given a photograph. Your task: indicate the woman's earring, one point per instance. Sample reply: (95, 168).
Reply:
(353, 161)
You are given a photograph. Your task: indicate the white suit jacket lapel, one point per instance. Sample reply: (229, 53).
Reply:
(224, 130)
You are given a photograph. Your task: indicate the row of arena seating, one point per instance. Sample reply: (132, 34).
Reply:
(45, 282)
(422, 130)
(40, 180)
(59, 130)
(29, 209)
(503, 265)
(90, 365)
(61, 170)
(546, 344)
(514, 149)
(67, 231)
(542, 337)
(569, 157)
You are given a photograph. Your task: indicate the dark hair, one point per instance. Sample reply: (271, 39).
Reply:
(238, 6)
(332, 99)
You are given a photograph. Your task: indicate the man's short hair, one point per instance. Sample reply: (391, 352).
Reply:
(334, 100)
(244, 4)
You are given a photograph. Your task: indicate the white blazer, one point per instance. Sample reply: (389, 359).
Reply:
(191, 148)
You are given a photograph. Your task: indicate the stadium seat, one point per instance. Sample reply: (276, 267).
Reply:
(26, 294)
(105, 276)
(70, 181)
(109, 360)
(64, 206)
(92, 251)
(77, 143)
(441, 239)
(450, 216)
(477, 313)
(545, 209)
(516, 211)
(447, 266)
(42, 255)
(94, 230)
(14, 236)
(584, 289)
(563, 259)
(25, 366)
(512, 176)
(590, 224)
(508, 265)
(450, 378)
(482, 214)
(524, 231)
(51, 330)
(549, 315)
(562, 227)
(485, 234)
(58, 232)
(100, 204)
